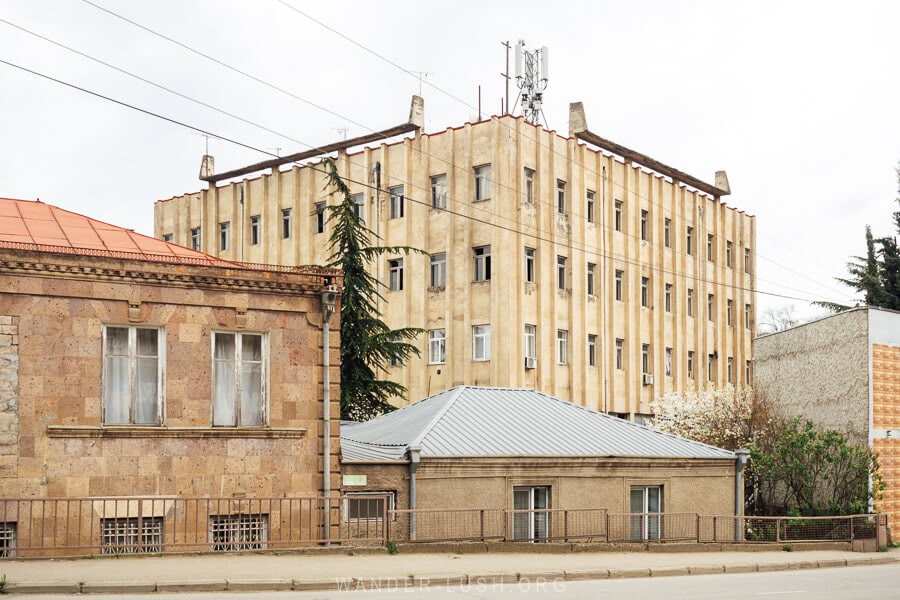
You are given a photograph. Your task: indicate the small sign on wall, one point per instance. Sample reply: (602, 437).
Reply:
(351, 480)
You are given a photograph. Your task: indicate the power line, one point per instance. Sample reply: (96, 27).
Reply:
(369, 186)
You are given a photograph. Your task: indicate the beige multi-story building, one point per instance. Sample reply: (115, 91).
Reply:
(571, 265)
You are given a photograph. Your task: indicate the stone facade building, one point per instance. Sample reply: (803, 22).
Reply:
(842, 372)
(570, 265)
(134, 368)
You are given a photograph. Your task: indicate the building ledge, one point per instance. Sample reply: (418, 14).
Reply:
(90, 431)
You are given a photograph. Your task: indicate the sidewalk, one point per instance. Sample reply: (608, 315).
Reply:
(378, 569)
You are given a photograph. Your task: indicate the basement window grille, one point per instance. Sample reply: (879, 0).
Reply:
(7, 540)
(130, 535)
(238, 532)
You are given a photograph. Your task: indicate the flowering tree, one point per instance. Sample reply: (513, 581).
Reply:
(727, 417)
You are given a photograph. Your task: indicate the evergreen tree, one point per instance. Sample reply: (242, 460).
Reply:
(367, 343)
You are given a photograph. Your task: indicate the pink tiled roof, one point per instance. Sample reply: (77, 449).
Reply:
(34, 225)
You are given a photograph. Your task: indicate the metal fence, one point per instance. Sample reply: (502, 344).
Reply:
(85, 526)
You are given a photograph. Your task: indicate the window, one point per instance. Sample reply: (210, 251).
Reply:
(690, 364)
(224, 235)
(710, 307)
(239, 376)
(320, 217)
(589, 209)
(645, 225)
(619, 284)
(482, 255)
(668, 297)
(729, 369)
(645, 508)
(668, 362)
(395, 274)
(439, 270)
(689, 241)
(748, 375)
(396, 194)
(667, 233)
(359, 206)
(254, 230)
(560, 197)
(7, 539)
(620, 354)
(439, 191)
(690, 302)
(645, 291)
(748, 261)
(529, 186)
(483, 182)
(645, 358)
(132, 372)
(368, 506)
(561, 272)
(168, 237)
(395, 360)
(130, 535)
(285, 223)
(562, 346)
(729, 309)
(530, 341)
(530, 519)
(591, 268)
(437, 347)
(592, 350)
(195, 238)
(529, 265)
(729, 254)
(481, 342)
(238, 532)
(710, 247)
(747, 322)
(617, 216)
(710, 367)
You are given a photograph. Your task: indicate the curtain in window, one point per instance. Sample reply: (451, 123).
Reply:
(251, 380)
(116, 398)
(224, 384)
(146, 410)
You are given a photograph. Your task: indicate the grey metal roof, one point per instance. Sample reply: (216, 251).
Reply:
(471, 421)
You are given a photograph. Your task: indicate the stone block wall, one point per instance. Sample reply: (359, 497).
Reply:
(9, 395)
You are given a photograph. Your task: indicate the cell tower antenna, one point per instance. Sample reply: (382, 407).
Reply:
(532, 73)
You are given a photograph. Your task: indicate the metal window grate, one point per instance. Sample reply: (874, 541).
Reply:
(129, 535)
(238, 532)
(7, 540)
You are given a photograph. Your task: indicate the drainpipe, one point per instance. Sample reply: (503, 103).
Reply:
(329, 296)
(414, 454)
(741, 458)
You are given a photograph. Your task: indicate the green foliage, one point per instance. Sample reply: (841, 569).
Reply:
(367, 343)
(788, 547)
(392, 547)
(807, 471)
(877, 274)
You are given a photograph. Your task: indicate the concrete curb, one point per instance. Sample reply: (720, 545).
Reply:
(422, 581)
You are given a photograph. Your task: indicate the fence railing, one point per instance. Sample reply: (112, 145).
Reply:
(82, 526)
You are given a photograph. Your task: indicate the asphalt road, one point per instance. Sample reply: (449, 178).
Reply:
(881, 582)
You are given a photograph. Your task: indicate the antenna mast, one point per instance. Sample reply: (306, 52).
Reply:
(531, 76)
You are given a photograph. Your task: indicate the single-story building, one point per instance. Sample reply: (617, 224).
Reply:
(504, 449)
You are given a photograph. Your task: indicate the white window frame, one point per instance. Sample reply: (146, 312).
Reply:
(592, 349)
(729, 312)
(645, 225)
(437, 346)
(668, 297)
(747, 319)
(591, 272)
(562, 346)
(617, 215)
(667, 233)
(286, 223)
(359, 206)
(710, 247)
(195, 238)
(729, 254)
(439, 191)
(711, 307)
(590, 206)
(560, 197)
(397, 201)
(690, 302)
(238, 365)
(530, 274)
(530, 340)
(482, 263)
(689, 241)
(133, 359)
(561, 272)
(224, 236)
(645, 359)
(645, 292)
(438, 270)
(482, 182)
(395, 274)
(255, 229)
(646, 524)
(620, 354)
(619, 285)
(529, 185)
(481, 343)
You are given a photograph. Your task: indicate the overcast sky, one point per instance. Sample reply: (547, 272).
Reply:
(798, 101)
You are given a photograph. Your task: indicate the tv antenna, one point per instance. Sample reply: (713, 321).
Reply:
(421, 75)
(531, 76)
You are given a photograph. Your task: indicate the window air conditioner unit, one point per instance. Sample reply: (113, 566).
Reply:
(531, 362)
(648, 379)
